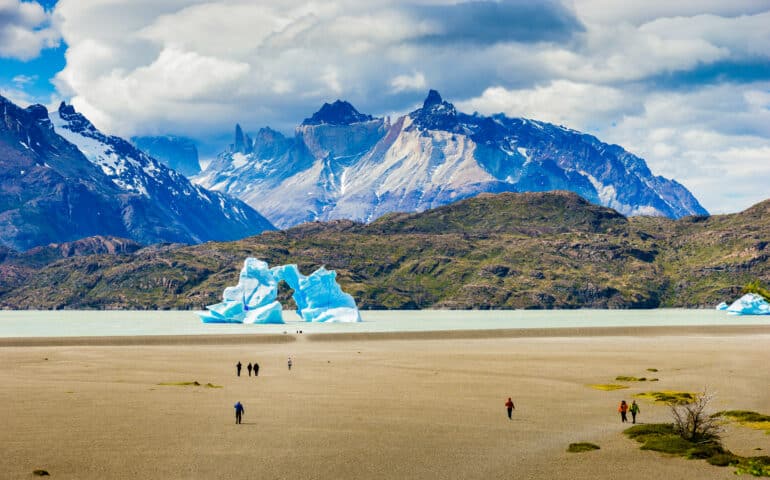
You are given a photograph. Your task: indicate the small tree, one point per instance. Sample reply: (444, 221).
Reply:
(692, 421)
(756, 287)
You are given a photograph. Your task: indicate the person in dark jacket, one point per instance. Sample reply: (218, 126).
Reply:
(239, 411)
(248, 367)
(238, 368)
(256, 369)
(509, 406)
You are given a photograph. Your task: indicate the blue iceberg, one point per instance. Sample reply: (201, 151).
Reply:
(749, 304)
(318, 296)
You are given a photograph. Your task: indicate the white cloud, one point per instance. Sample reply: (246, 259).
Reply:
(24, 30)
(198, 66)
(715, 140)
(613, 11)
(563, 102)
(416, 81)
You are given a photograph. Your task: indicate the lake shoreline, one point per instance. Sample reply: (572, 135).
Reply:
(271, 338)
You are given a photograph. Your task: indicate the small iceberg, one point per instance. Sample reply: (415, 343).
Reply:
(318, 296)
(749, 304)
(722, 306)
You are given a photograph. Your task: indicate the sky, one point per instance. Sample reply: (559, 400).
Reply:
(683, 84)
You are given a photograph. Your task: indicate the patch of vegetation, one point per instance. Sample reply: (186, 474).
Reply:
(608, 387)
(756, 466)
(180, 384)
(211, 385)
(757, 288)
(582, 447)
(41, 473)
(623, 378)
(663, 437)
(652, 369)
(749, 419)
(669, 397)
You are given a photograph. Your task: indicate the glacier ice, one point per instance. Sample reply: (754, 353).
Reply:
(722, 306)
(749, 304)
(318, 296)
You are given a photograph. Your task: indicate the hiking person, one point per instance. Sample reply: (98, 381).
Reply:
(623, 408)
(239, 411)
(289, 363)
(248, 367)
(256, 369)
(509, 406)
(238, 368)
(634, 409)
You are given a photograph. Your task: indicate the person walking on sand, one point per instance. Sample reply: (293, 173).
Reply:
(289, 363)
(509, 406)
(634, 409)
(248, 367)
(238, 368)
(239, 411)
(623, 408)
(256, 369)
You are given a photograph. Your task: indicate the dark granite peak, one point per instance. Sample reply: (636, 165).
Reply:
(338, 113)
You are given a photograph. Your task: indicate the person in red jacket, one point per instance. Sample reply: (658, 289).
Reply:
(623, 408)
(509, 406)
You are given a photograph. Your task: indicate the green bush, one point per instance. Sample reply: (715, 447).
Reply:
(582, 447)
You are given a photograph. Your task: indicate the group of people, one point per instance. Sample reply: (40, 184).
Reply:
(249, 367)
(239, 408)
(624, 408)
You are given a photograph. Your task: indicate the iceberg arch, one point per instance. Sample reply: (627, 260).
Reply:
(318, 296)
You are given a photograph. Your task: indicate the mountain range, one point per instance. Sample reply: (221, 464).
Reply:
(63, 180)
(509, 250)
(343, 164)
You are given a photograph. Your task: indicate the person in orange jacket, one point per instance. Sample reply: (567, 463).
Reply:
(509, 406)
(623, 408)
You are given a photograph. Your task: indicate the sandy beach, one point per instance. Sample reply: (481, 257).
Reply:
(420, 405)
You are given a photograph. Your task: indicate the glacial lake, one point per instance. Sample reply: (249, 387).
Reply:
(72, 323)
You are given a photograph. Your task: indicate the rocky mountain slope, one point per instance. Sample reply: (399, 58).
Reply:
(177, 153)
(530, 250)
(62, 180)
(342, 164)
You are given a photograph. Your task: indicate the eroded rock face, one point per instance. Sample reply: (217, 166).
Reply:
(318, 296)
(342, 164)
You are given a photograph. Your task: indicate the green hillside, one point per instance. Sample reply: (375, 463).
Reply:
(529, 250)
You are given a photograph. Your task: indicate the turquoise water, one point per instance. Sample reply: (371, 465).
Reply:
(70, 323)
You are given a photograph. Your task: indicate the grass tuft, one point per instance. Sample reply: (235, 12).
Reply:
(180, 384)
(623, 378)
(652, 369)
(582, 447)
(747, 418)
(668, 396)
(608, 387)
(41, 473)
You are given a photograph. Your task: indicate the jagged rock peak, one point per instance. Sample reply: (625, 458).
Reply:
(436, 114)
(66, 109)
(433, 98)
(338, 113)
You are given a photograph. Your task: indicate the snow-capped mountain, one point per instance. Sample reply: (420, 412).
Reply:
(344, 164)
(177, 153)
(64, 180)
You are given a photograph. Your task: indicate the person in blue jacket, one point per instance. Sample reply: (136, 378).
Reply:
(239, 411)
